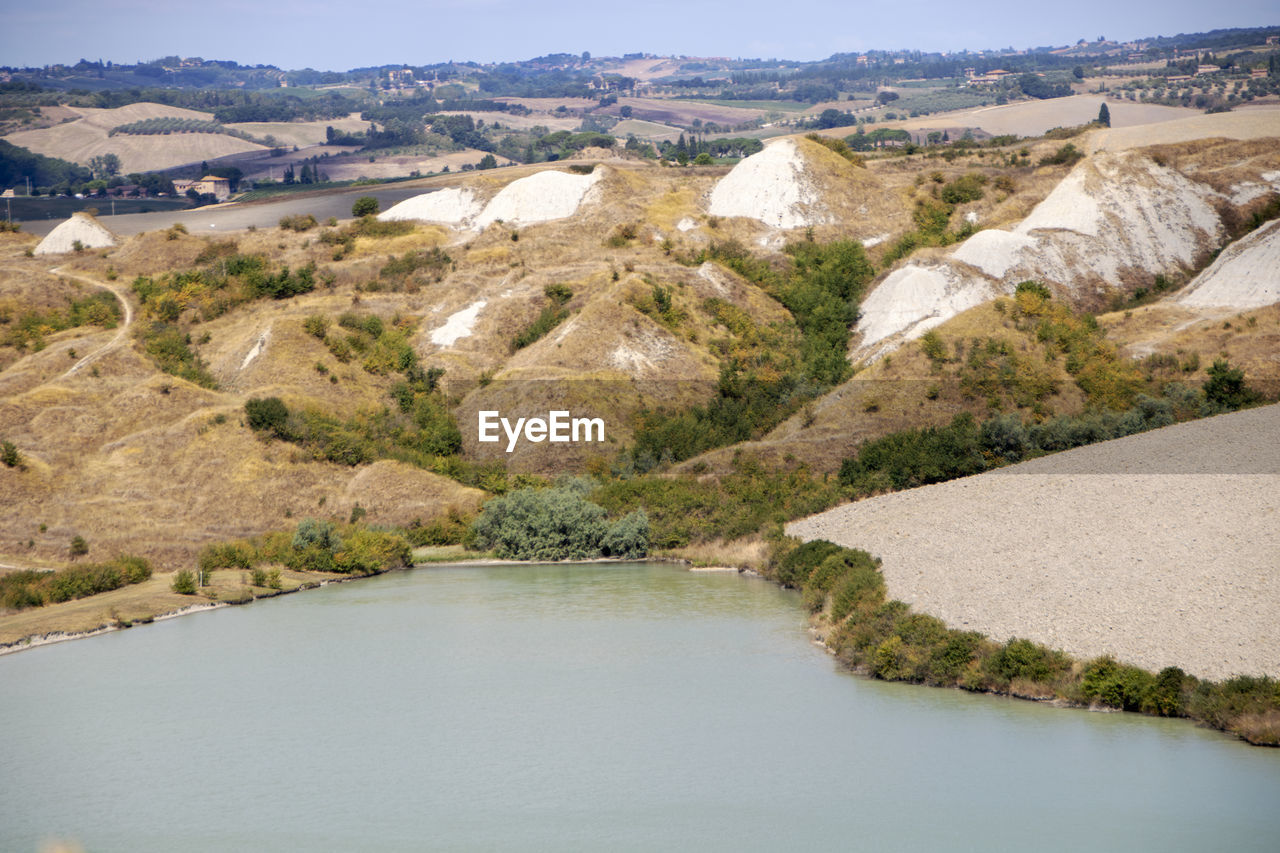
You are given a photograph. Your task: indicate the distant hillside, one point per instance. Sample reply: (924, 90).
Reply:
(90, 136)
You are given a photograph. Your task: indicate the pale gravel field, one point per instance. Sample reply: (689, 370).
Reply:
(1162, 549)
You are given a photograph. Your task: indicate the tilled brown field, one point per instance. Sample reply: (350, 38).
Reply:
(1162, 549)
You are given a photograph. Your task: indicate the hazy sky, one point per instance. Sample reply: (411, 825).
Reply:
(339, 36)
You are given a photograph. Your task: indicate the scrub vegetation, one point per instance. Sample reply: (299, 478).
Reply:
(884, 639)
(27, 588)
(28, 328)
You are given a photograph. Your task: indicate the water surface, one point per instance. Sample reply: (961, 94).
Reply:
(621, 707)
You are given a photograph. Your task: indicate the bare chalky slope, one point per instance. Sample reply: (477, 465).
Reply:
(80, 229)
(769, 186)
(1245, 275)
(1162, 549)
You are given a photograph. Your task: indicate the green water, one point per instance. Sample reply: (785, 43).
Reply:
(602, 707)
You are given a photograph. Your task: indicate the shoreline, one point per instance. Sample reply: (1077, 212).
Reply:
(49, 638)
(37, 640)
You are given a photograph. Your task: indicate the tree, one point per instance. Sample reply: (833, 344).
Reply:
(1226, 390)
(366, 205)
(488, 161)
(1078, 72)
(1104, 116)
(79, 547)
(105, 165)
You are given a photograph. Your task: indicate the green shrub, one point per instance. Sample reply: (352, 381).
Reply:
(170, 348)
(1064, 156)
(366, 205)
(298, 222)
(799, 563)
(861, 584)
(628, 537)
(184, 582)
(1033, 287)
(1166, 696)
(1222, 705)
(316, 325)
(339, 348)
(33, 589)
(225, 555)
(316, 533)
(1115, 684)
(1226, 390)
(284, 283)
(557, 524)
(434, 261)
(932, 346)
(452, 529)
(268, 415)
(952, 657)
(22, 589)
(915, 457)
(9, 454)
(963, 189)
(1025, 660)
(550, 317)
(558, 293)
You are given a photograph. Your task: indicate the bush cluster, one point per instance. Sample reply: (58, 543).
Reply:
(23, 589)
(923, 455)
(31, 327)
(558, 523)
(885, 640)
(750, 497)
(314, 545)
(298, 222)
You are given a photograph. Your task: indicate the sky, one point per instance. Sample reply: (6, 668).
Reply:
(334, 36)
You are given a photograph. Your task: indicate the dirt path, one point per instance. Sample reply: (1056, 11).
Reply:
(121, 336)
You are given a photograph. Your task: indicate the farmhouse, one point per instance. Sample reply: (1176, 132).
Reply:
(219, 188)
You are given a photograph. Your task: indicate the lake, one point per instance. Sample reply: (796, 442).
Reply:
(584, 707)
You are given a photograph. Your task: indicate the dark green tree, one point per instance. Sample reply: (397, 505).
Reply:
(1104, 116)
(366, 205)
